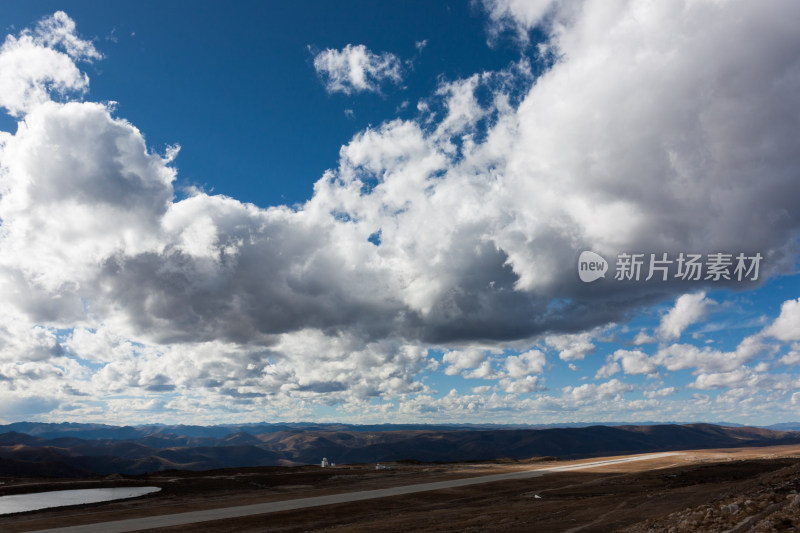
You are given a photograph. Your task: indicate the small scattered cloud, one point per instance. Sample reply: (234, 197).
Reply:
(635, 362)
(525, 385)
(355, 69)
(531, 362)
(643, 338)
(660, 393)
(572, 346)
(459, 360)
(589, 392)
(688, 309)
(517, 16)
(607, 370)
(793, 357)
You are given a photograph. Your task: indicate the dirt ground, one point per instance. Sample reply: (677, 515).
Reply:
(747, 489)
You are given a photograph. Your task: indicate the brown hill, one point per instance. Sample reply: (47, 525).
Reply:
(20, 453)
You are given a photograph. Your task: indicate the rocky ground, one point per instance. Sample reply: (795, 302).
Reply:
(771, 502)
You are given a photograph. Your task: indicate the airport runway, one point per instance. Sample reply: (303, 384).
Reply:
(194, 517)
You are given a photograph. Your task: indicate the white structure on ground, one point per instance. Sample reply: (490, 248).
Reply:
(324, 462)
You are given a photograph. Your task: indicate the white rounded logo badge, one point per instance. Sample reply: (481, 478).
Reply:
(591, 266)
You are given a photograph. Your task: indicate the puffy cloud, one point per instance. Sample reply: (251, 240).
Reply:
(676, 143)
(69, 174)
(572, 347)
(526, 385)
(356, 69)
(589, 392)
(688, 309)
(787, 326)
(531, 362)
(458, 360)
(18, 336)
(59, 30)
(643, 338)
(31, 66)
(342, 363)
(632, 362)
(519, 16)
(306, 366)
(660, 393)
(745, 381)
(483, 371)
(706, 359)
(635, 362)
(607, 370)
(763, 366)
(547, 180)
(480, 213)
(793, 357)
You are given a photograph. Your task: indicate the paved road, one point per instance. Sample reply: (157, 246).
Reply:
(193, 517)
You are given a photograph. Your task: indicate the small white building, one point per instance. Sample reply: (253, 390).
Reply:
(324, 462)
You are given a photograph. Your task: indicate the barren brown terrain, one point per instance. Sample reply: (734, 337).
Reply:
(743, 489)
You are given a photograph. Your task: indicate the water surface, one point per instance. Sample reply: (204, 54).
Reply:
(19, 503)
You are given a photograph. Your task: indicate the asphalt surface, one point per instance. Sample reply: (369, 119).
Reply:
(194, 517)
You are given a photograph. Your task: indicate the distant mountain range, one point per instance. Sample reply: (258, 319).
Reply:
(71, 450)
(49, 430)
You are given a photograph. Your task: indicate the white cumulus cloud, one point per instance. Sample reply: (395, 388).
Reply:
(355, 68)
(688, 309)
(33, 65)
(787, 326)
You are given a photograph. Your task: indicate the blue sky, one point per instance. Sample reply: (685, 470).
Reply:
(373, 212)
(247, 72)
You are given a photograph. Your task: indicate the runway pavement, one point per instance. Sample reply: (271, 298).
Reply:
(207, 515)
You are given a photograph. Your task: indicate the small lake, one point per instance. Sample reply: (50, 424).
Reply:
(19, 503)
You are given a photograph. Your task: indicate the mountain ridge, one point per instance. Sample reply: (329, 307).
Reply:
(68, 455)
(106, 431)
